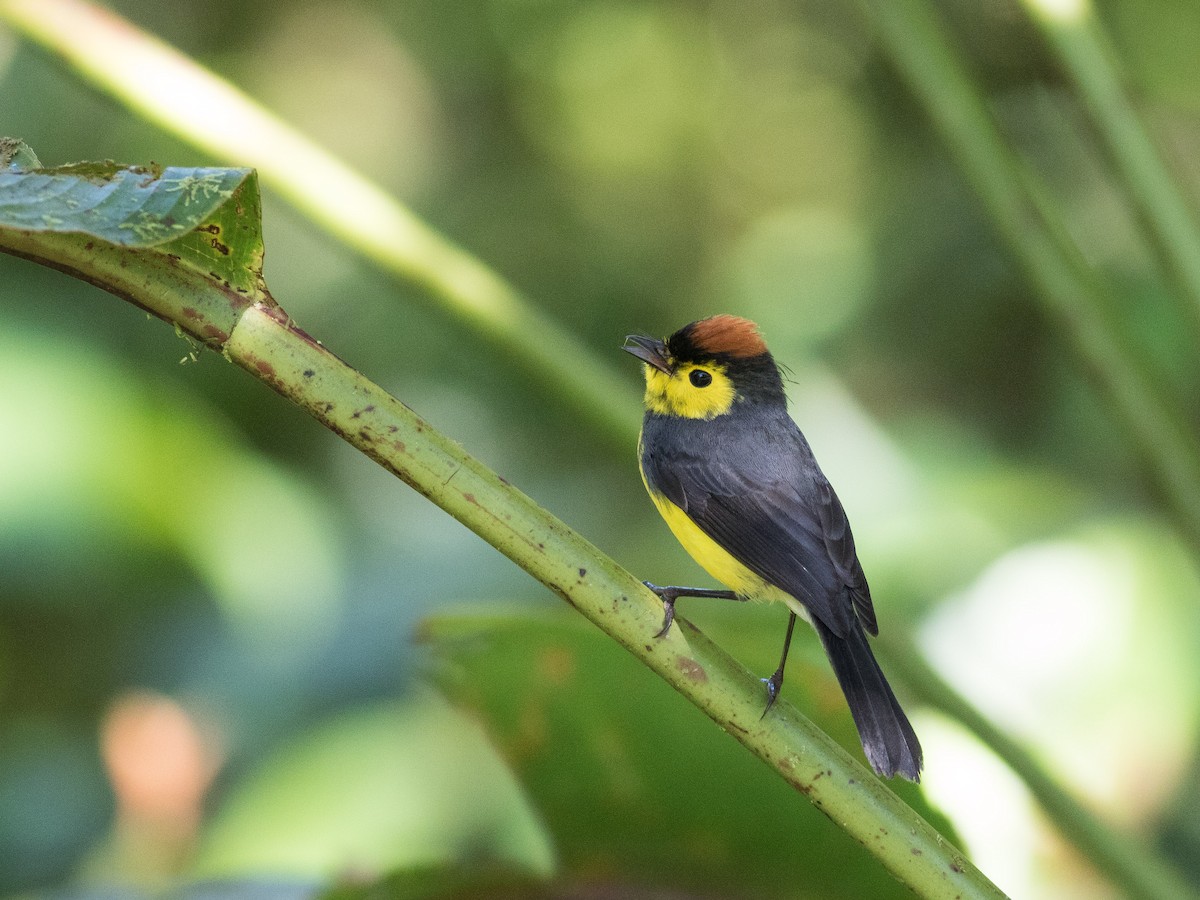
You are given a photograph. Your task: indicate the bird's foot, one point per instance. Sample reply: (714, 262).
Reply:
(668, 596)
(774, 683)
(671, 593)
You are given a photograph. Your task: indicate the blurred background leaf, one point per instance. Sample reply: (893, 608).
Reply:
(587, 729)
(631, 168)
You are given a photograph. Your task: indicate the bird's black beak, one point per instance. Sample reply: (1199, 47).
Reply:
(651, 351)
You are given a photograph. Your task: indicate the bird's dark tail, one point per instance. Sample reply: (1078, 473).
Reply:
(887, 737)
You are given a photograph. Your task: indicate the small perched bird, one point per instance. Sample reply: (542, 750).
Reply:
(741, 490)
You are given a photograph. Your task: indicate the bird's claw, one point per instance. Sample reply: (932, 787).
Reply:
(668, 597)
(773, 684)
(668, 618)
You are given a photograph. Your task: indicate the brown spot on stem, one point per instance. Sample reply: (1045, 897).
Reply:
(691, 669)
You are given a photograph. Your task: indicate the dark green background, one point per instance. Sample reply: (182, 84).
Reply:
(176, 528)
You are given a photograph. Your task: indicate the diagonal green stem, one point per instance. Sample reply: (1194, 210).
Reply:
(1070, 292)
(1075, 36)
(262, 340)
(186, 99)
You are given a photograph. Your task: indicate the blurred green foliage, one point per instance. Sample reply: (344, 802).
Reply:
(558, 697)
(167, 526)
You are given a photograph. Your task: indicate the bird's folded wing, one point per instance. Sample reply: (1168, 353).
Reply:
(795, 536)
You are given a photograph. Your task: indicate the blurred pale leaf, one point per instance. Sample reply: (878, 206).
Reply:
(387, 787)
(1104, 622)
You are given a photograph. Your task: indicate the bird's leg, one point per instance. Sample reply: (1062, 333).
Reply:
(775, 682)
(671, 593)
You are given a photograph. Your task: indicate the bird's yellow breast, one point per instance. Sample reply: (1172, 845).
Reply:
(715, 559)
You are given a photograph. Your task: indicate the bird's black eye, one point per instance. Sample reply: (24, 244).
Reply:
(700, 378)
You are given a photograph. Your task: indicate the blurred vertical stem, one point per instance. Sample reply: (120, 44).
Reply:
(1073, 294)
(1076, 38)
(186, 99)
(1126, 860)
(1035, 233)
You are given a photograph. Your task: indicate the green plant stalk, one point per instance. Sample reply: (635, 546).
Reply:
(258, 336)
(179, 95)
(1125, 859)
(1076, 38)
(162, 291)
(1071, 293)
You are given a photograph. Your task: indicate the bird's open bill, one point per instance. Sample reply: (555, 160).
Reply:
(651, 351)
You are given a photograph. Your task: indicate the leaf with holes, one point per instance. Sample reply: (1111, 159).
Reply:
(141, 231)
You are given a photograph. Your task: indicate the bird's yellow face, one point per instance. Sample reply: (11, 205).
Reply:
(690, 390)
